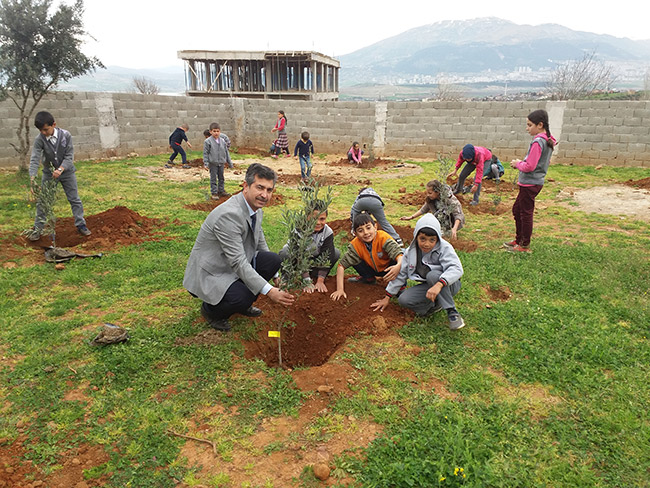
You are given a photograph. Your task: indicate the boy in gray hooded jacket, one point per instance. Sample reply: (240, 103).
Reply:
(433, 262)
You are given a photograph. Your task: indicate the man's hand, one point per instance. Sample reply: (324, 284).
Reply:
(281, 297)
(338, 294)
(380, 305)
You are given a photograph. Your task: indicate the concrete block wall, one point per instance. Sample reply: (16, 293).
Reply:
(332, 126)
(116, 124)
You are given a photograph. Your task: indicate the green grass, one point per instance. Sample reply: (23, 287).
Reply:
(548, 388)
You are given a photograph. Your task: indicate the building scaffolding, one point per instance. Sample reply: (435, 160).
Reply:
(297, 75)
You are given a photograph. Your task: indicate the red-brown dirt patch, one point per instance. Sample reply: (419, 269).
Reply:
(111, 228)
(643, 183)
(276, 199)
(14, 472)
(502, 294)
(415, 199)
(321, 325)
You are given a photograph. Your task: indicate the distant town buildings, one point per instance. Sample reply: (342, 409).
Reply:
(297, 75)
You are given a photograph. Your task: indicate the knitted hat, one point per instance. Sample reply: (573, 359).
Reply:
(468, 152)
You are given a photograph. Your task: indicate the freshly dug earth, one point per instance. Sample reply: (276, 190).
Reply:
(643, 183)
(118, 226)
(315, 326)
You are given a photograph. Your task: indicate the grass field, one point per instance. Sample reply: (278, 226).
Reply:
(546, 387)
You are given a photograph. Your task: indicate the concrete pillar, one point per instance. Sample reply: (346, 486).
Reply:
(381, 116)
(109, 132)
(556, 117)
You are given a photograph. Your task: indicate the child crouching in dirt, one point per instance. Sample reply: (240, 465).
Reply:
(431, 261)
(323, 245)
(371, 253)
(444, 205)
(216, 153)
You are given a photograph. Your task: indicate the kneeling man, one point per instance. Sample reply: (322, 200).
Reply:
(230, 263)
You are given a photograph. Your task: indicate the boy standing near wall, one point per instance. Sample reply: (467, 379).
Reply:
(53, 146)
(215, 154)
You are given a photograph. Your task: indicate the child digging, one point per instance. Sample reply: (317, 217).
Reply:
(449, 213)
(215, 155)
(431, 261)
(371, 253)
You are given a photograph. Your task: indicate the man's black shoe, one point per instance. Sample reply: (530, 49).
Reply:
(220, 324)
(252, 312)
(217, 324)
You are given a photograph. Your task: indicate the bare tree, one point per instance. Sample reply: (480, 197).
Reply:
(580, 78)
(447, 91)
(145, 86)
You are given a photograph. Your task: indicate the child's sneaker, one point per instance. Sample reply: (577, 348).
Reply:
(274, 156)
(456, 321)
(34, 235)
(473, 203)
(518, 248)
(512, 243)
(83, 230)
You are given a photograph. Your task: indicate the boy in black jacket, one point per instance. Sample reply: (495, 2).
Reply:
(175, 141)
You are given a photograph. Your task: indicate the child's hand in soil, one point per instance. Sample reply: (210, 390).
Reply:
(320, 286)
(380, 305)
(338, 294)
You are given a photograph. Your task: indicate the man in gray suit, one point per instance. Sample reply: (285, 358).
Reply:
(230, 263)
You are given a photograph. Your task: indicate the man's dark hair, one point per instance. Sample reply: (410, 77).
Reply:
(214, 125)
(261, 171)
(42, 119)
(362, 219)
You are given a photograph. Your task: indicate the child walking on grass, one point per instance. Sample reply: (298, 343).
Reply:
(532, 171)
(303, 150)
(432, 262)
(282, 142)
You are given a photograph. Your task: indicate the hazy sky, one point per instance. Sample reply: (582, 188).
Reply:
(147, 34)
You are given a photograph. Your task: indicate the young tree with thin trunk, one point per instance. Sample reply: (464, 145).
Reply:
(39, 48)
(145, 86)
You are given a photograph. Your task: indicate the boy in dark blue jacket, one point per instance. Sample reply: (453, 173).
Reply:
(304, 148)
(175, 141)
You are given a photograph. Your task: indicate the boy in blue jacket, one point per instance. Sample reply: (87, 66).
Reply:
(175, 140)
(433, 262)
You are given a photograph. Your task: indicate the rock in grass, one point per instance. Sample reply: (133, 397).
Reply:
(321, 471)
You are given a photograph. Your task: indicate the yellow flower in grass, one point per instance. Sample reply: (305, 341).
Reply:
(442, 478)
(456, 472)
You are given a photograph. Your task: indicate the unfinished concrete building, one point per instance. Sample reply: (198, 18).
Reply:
(295, 75)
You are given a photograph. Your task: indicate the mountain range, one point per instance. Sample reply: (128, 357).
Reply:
(486, 45)
(488, 48)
